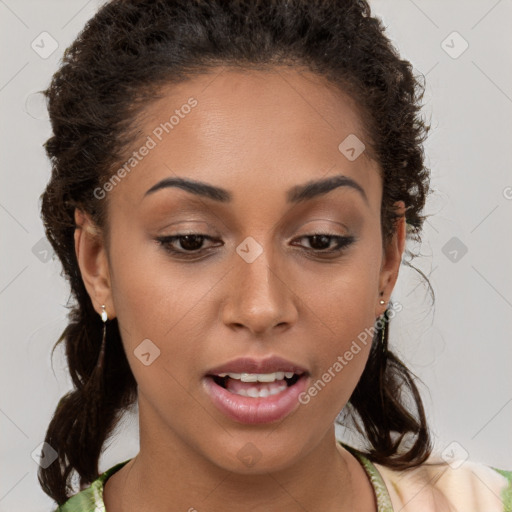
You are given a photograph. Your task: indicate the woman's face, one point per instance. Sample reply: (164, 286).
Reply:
(258, 294)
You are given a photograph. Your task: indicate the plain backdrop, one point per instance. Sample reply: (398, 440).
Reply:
(461, 348)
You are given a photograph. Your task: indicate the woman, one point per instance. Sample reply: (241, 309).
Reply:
(233, 186)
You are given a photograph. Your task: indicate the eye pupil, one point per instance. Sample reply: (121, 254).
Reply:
(323, 239)
(187, 242)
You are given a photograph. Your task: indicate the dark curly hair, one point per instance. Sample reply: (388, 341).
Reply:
(117, 64)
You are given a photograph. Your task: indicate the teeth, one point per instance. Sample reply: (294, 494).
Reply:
(253, 392)
(249, 377)
(262, 393)
(258, 377)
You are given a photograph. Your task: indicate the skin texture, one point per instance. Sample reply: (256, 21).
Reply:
(257, 134)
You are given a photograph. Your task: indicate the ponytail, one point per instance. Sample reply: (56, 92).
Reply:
(86, 416)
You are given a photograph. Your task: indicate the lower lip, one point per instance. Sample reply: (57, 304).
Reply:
(255, 410)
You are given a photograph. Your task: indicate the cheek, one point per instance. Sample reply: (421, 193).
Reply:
(342, 296)
(159, 301)
(342, 305)
(153, 310)
(153, 301)
(151, 293)
(340, 355)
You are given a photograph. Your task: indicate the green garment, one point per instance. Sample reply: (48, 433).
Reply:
(431, 487)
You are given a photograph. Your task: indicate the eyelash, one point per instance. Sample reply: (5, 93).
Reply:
(343, 242)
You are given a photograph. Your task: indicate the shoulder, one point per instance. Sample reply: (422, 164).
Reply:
(90, 499)
(436, 485)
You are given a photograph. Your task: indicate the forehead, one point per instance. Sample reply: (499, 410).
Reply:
(251, 129)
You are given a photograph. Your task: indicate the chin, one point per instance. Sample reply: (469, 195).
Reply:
(259, 453)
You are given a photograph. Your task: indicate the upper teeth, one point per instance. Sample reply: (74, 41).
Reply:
(258, 377)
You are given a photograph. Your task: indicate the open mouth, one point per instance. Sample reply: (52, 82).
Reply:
(256, 385)
(256, 392)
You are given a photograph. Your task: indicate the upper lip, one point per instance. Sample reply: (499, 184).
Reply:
(249, 365)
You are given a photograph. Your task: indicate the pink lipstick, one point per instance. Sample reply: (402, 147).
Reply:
(255, 391)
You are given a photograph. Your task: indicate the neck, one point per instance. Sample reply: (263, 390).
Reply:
(173, 476)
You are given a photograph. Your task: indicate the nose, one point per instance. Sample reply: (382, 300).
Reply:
(261, 298)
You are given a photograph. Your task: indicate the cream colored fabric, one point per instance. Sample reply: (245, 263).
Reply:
(438, 486)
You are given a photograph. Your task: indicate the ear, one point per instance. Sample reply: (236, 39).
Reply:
(93, 262)
(391, 260)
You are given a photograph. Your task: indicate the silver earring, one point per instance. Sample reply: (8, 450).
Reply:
(382, 302)
(104, 318)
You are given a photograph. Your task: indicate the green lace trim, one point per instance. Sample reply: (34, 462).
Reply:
(379, 487)
(90, 498)
(506, 494)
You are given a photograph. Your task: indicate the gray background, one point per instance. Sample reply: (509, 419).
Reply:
(461, 349)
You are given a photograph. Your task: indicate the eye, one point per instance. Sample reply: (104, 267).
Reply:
(321, 243)
(190, 243)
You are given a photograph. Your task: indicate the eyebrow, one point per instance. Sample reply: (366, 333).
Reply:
(296, 194)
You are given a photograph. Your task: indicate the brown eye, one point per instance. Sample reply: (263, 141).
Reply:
(191, 242)
(322, 242)
(181, 244)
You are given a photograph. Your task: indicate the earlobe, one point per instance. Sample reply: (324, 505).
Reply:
(92, 260)
(391, 260)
